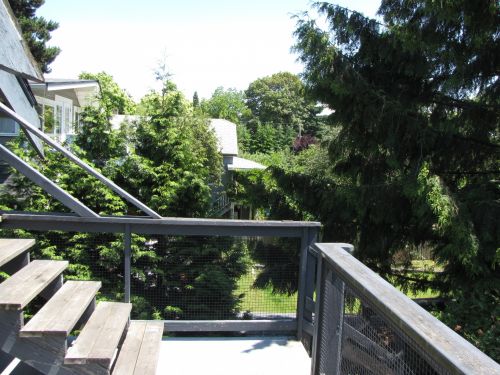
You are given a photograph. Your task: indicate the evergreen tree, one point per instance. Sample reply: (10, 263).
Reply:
(36, 31)
(417, 102)
(196, 100)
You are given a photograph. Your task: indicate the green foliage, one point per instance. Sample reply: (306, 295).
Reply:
(170, 161)
(196, 100)
(226, 104)
(112, 99)
(414, 156)
(170, 102)
(280, 100)
(36, 31)
(97, 139)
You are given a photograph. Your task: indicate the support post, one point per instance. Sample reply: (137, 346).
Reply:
(306, 284)
(127, 241)
(329, 322)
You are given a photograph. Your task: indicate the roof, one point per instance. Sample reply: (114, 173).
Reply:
(244, 164)
(226, 136)
(54, 84)
(81, 91)
(15, 56)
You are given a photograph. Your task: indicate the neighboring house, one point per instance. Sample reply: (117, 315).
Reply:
(60, 103)
(17, 66)
(227, 138)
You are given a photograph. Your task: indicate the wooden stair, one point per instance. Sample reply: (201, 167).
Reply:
(42, 343)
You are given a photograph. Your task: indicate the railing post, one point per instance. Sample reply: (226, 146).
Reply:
(127, 242)
(329, 322)
(306, 282)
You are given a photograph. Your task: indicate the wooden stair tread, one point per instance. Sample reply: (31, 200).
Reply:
(19, 289)
(99, 339)
(60, 314)
(140, 350)
(12, 247)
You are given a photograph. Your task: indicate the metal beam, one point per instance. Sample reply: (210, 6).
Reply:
(168, 226)
(68, 154)
(50, 187)
(285, 325)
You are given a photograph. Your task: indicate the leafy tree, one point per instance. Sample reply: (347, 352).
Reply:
(36, 31)
(113, 99)
(226, 104)
(417, 101)
(280, 99)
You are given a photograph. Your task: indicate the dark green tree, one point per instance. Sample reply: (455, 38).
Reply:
(196, 100)
(417, 102)
(36, 31)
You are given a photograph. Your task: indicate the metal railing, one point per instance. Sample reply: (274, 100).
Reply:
(180, 246)
(363, 325)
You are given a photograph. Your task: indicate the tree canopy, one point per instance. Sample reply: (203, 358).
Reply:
(280, 99)
(113, 99)
(36, 31)
(415, 151)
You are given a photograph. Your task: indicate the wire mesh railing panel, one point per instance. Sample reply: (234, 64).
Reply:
(91, 256)
(182, 277)
(214, 278)
(372, 345)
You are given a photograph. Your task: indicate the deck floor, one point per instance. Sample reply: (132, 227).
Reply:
(229, 356)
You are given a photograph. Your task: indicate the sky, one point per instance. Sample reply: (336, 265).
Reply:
(204, 44)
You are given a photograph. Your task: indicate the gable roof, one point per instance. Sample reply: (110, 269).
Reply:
(226, 136)
(15, 56)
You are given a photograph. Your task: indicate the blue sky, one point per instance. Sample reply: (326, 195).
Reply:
(205, 44)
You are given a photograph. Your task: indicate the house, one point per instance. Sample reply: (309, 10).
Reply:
(17, 66)
(60, 102)
(227, 138)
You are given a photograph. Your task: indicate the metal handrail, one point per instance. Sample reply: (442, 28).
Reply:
(68, 154)
(447, 348)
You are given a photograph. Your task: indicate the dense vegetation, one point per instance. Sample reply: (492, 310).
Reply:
(407, 160)
(411, 158)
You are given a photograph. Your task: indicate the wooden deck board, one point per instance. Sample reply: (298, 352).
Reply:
(19, 289)
(140, 351)
(100, 337)
(12, 247)
(63, 310)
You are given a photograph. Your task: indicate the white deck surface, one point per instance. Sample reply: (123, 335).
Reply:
(230, 356)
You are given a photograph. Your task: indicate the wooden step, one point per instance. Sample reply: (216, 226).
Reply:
(97, 343)
(61, 313)
(141, 348)
(19, 289)
(13, 247)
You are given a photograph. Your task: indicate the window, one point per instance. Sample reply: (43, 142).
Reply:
(8, 127)
(48, 119)
(58, 119)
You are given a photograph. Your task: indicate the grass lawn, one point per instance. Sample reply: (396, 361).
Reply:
(257, 300)
(263, 300)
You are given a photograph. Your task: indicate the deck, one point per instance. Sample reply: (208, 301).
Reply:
(229, 356)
